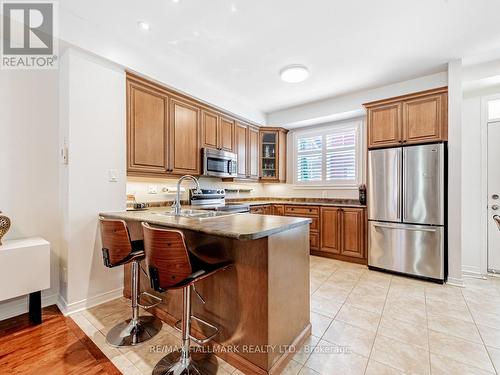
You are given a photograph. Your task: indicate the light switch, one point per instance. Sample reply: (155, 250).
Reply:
(112, 175)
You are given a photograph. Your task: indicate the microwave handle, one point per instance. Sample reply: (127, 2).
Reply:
(230, 167)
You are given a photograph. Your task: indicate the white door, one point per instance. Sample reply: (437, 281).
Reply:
(493, 196)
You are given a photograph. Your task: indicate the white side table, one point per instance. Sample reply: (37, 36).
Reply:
(25, 269)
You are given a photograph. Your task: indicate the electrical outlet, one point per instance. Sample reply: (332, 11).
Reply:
(152, 189)
(112, 175)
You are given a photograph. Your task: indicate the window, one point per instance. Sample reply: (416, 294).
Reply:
(328, 156)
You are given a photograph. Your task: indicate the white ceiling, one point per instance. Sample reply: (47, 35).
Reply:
(348, 45)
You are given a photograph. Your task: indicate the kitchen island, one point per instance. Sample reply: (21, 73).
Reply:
(261, 305)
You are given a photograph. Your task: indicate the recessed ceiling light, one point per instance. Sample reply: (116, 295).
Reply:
(294, 73)
(143, 25)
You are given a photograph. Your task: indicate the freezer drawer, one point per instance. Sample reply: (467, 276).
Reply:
(384, 184)
(412, 249)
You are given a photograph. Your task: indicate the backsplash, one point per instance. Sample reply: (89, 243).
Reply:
(141, 187)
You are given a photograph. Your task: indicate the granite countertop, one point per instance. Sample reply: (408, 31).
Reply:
(237, 226)
(296, 203)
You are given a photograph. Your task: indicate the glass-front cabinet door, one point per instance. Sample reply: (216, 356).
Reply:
(268, 152)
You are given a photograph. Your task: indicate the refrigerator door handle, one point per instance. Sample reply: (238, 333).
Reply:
(389, 226)
(400, 156)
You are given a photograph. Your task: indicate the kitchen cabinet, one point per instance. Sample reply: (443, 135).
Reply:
(184, 137)
(265, 209)
(278, 210)
(218, 131)
(410, 119)
(247, 149)
(343, 233)
(166, 131)
(147, 130)
(311, 212)
(273, 154)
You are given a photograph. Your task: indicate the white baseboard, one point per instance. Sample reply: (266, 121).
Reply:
(19, 306)
(472, 271)
(71, 308)
(455, 282)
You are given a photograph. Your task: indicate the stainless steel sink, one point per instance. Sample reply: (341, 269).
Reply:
(196, 214)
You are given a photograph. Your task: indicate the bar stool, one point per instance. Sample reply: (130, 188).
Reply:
(117, 250)
(172, 266)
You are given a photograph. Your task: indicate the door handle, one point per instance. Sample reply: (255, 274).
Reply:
(497, 220)
(388, 226)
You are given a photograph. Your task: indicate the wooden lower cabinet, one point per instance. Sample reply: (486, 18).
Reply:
(265, 209)
(311, 212)
(343, 233)
(278, 210)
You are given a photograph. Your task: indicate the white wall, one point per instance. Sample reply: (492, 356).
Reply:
(94, 124)
(29, 166)
(349, 106)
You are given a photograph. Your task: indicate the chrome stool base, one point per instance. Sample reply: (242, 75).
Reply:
(128, 334)
(197, 364)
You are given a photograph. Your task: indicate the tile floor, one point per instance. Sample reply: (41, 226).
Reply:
(364, 322)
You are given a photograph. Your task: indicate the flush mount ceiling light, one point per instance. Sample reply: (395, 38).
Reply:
(294, 73)
(143, 25)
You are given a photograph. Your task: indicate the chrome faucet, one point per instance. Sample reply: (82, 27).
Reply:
(177, 204)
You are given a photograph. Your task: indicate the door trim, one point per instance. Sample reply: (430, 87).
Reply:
(483, 253)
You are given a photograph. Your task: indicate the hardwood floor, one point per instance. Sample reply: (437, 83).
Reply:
(57, 346)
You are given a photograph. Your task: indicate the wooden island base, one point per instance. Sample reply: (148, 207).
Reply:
(261, 305)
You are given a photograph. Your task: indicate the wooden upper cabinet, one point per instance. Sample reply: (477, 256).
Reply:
(423, 119)
(253, 153)
(330, 236)
(352, 232)
(226, 134)
(415, 118)
(273, 154)
(384, 125)
(241, 140)
(210, 129)
(184, 135)
(147, 130)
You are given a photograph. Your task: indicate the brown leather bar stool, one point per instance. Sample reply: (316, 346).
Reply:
(117, 250)
(172, 266)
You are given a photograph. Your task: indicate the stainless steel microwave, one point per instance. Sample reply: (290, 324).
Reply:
(219, 163)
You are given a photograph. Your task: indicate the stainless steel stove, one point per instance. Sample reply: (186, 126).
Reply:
(214, 199)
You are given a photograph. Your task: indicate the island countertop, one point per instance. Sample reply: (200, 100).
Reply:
(240, 226)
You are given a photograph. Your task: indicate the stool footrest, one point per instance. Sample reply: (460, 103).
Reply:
(154, 298)
(204, 340)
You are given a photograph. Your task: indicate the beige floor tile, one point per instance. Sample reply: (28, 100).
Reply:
(292, 368)
(409, 333)
(319, 324)
(341, 282)
(325, 306)
(376, 368)
(356, 339)
(305, 351)
(332, 292)
(111, 307)
(406, 311)
(445, 366)
(495, 357)
(443, 308)
(324, 266)
(405, 357)
(379, 279)
(320, 274)
(327, 360)
(358, 317)
(490, 336)
(486, 319)
(460, 350)
(455, 327)
(365, 300)
(347, 275)
(368, 287)
(313, 286)
(485, 305)
(308, 371)
(450, 294)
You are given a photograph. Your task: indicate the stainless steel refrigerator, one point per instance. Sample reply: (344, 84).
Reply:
(406, 210)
